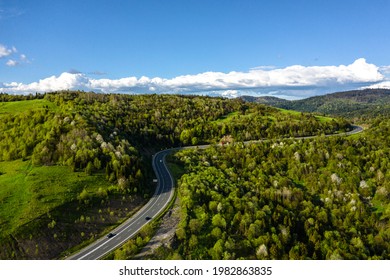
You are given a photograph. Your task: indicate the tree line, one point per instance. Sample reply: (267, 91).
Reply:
(324, 198)
(110, 132)
(114, 136)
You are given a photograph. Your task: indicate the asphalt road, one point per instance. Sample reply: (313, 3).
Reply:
(162, 196)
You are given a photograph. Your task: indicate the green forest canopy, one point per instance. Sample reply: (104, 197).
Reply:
(109, 138)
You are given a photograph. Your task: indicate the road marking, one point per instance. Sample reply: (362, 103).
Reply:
(160, 193)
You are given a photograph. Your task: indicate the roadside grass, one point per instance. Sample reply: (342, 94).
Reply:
(357, 136)
(26, 192)
(132, 247)
(176, 170)
(108, 228)
(24, 105)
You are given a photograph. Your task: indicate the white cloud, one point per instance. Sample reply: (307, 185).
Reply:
(63, 82)
(358, 72)
(24, 59)
(292, 80)
(4, 51)
(232, 93)
(385, 83)
(12, 63)
(385, 69)
(293, 77)
(10, 53)
(382, 85)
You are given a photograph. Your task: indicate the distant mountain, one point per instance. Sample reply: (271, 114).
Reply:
(267, 100)
(355, 103)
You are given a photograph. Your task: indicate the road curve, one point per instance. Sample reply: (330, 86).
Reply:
(162, 196)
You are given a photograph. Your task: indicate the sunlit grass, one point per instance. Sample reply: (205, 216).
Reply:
(22, 106)
(227, 118)
(26, 192)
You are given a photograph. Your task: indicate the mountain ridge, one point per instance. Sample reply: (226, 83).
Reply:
(346, 103)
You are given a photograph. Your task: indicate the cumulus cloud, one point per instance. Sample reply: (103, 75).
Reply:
(385, 69)
(230, 93)
(63, 82)
(382, 85)
(385, 83)
(291, 77)
(288, 80)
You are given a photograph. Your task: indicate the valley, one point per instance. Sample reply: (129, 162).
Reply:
(90, 154)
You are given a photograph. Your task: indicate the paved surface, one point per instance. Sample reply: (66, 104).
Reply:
(161, 198)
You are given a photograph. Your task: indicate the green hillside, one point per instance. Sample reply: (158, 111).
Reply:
(366, 103)
(73, 164)
(323, 198)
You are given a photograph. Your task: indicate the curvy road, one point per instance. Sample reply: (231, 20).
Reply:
(162, 196)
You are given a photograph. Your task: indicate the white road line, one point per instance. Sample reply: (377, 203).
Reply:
(161, 172)
(158, 192)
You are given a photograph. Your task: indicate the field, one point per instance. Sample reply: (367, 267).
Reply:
(26, 192)
(22, 106)
(296, 113)
(48, 211)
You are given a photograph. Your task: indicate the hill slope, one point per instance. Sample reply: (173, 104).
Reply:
(73, 164)
(367, 102)
(323, 198)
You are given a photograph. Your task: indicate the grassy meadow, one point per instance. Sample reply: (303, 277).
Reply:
(27, 192)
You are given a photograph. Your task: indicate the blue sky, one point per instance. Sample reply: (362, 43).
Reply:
(291, 49)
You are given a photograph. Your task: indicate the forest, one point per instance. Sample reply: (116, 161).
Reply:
(90, 132)
(363, 104)
(322, 198)
(90, 154)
